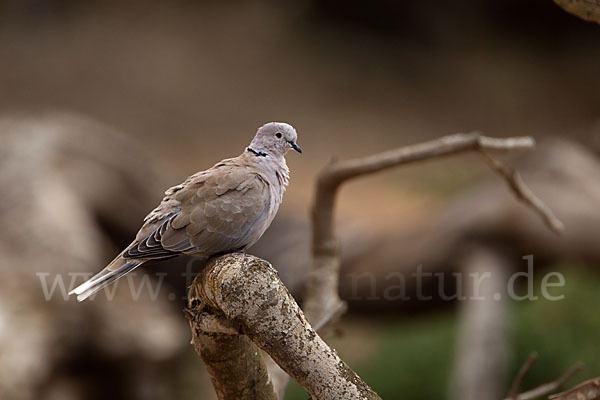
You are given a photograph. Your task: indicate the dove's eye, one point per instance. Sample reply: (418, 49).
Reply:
(278, 134)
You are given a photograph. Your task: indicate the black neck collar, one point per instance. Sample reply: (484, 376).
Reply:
(257, 153)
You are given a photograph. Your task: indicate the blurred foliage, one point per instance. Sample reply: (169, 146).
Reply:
(562, 332)
(413, 357)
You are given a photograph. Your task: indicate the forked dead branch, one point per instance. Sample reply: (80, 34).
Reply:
(322, 299)
(247, 290)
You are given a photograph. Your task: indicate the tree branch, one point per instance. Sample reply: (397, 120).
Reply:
(588, 390)
(546, 388)
(235, 364)
(524, 194)
(322, 298)
(516, 386)
(247, 290)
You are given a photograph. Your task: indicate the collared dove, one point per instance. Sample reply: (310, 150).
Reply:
(223, 209)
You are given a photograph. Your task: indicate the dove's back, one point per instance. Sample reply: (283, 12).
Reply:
(226, 208)
(223, 209)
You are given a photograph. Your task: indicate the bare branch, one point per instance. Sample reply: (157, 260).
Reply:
(547, 388)
(523, 193)
(323, 280)
(235, 364)
(247, 290)
(587, 390)
(338, 172)
(516, 386)
(279, 377)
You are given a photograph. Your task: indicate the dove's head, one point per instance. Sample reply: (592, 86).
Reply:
(275, 139)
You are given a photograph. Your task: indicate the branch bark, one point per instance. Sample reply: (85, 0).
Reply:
(247, 290)
(234, 363)
(588, 390)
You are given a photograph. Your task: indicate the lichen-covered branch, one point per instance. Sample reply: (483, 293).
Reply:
(248, 291)
(234, 363)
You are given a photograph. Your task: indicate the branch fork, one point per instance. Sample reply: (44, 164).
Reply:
(248, 308)
(323, 281)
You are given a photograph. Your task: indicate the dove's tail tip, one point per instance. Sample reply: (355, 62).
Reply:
(104, 278)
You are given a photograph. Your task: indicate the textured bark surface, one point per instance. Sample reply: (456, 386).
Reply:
(235, 365)
(247, 290)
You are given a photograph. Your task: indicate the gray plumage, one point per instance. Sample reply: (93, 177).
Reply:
(223, 209)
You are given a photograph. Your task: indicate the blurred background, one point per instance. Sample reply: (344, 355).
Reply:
(105, 104)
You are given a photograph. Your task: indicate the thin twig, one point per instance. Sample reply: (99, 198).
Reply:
(516, 386)
(547, 388)
(523, 193)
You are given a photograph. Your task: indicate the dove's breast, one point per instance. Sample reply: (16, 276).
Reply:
(273, 198)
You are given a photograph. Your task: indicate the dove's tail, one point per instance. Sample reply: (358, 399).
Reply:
(118, 268)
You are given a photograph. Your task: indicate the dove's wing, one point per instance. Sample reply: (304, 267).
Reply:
(214, 211)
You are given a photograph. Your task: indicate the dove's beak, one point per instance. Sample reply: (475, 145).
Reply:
(295, 147)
